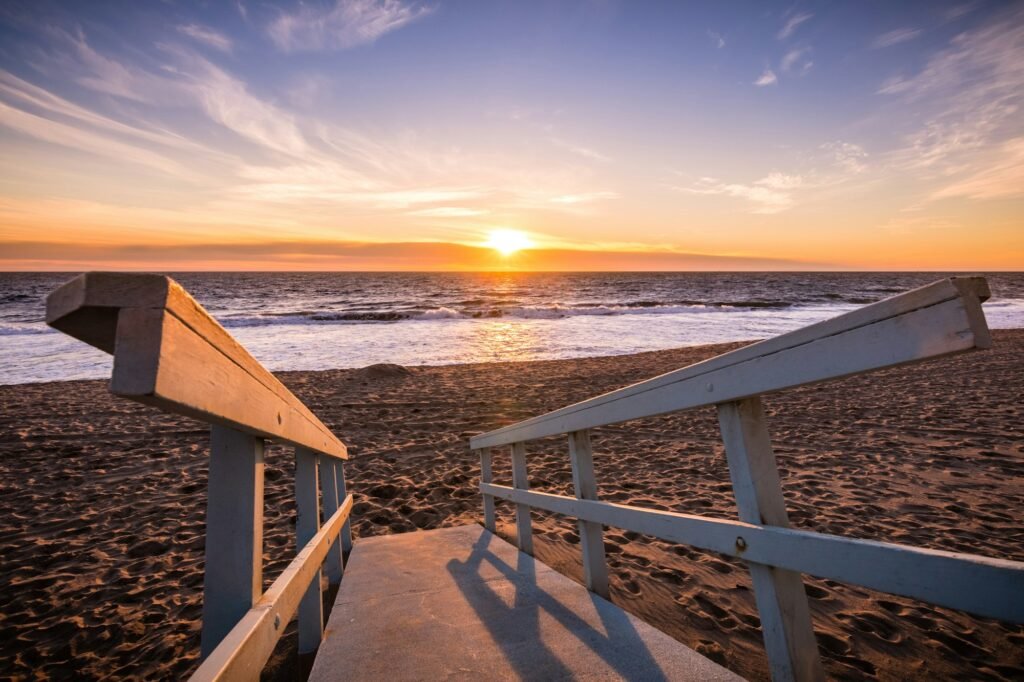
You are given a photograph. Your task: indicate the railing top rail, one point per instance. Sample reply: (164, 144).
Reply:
(169, 352)
(938, 319)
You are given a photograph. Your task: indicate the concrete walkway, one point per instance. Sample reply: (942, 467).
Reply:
(463, 603)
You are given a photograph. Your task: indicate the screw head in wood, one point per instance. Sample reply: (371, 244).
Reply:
(741, 544)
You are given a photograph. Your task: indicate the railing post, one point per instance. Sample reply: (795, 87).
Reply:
(524, 532)
(486, 476)
(781, 599)
(233, 577)
(307, 523)
(329, 490)
(346, 530)
(595, 569)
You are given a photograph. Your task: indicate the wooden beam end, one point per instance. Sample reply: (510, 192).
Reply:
(973, 286)
(87, 306)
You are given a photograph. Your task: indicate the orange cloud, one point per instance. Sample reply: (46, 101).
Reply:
(321, 255)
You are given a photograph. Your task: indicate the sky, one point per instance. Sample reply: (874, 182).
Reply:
(388, 134)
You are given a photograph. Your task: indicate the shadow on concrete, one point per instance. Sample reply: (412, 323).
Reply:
(517, 628)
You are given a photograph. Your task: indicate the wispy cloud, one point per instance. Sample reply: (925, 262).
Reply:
(21, 93)
(777, 180)
(970, 96)
(34, 111)
(792, 23)
(769, 195)
(957, 11)
(894, 85)
(103, 74)
(831, 165)
(900, 35)
(83, 140)
(1003, 176)
(227, 100)
(347, 24)
(796, 61)
(717, 39)
(307, 89)
(850, 158)
(282, 171)
(585, 198)
(187, 80)
(579, 150)
(768, 77)
(588, 153)
(916, 225)
(449, 212)
(207, 36)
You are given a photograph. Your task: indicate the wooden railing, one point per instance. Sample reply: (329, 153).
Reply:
(169, 353)
(936, 320)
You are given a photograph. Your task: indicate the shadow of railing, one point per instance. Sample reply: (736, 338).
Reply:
(517, 630)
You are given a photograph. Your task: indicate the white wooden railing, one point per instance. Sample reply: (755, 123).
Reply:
(936, 320)
(169, 353)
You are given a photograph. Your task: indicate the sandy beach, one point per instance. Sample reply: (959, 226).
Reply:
(103, 501)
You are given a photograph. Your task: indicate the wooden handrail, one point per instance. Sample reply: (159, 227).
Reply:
(242, 654)
(936, 320)
(939, 319)
(169, 352)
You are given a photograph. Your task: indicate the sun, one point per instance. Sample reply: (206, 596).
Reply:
(508, 242)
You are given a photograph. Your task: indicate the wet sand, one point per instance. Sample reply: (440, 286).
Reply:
(102, 504)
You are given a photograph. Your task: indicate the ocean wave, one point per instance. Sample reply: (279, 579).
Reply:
(293, 318)
(1001, 312)
(439, 314)
(526, 312)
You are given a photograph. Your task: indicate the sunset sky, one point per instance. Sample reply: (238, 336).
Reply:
(357, 134)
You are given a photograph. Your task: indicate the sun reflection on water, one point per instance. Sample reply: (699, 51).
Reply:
(502, 341)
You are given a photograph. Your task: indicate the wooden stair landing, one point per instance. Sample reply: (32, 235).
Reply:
(463, 603)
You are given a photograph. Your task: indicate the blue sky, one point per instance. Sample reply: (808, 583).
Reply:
(807, 131)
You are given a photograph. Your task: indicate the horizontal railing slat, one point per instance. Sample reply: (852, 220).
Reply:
(939, 319)
(992, 588)
(246, 649)
(167, 349)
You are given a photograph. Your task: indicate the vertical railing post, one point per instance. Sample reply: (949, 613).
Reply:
(595, 568)
(329, 491)
(233, 577)
(486, 476)
(346, 530)
(307, 523)
(781, 599)
(524, 532)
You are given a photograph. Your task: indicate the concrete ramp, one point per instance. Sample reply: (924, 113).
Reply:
(463, 603)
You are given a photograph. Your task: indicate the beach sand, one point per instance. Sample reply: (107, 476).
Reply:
(102, 504)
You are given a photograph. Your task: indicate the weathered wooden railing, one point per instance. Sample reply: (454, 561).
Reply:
(169, 353)
(939, 319)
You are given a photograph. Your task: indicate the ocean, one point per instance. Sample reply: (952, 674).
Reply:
(312, 321)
